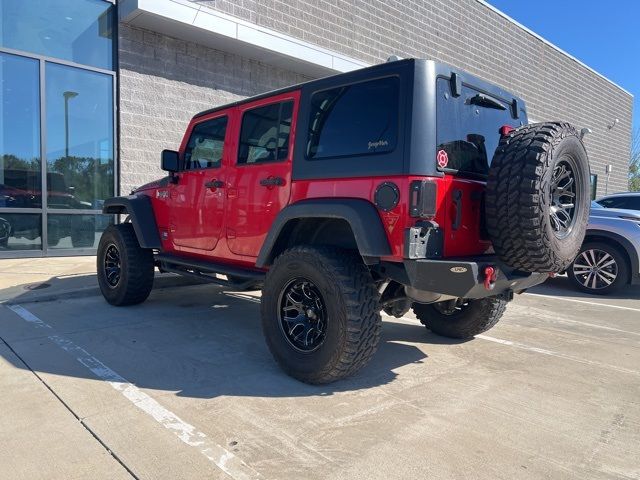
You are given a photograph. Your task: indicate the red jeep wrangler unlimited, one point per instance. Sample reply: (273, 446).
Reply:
(409, 184)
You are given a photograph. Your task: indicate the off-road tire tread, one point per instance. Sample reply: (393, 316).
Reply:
(138, 262)
(480, 317)
(351, 282)
(515, 206)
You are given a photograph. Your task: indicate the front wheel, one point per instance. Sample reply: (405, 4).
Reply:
(125, 270)
(599, 269)
(320, 313)
(460, 318)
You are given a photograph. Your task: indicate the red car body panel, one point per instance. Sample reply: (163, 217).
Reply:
(229, 224)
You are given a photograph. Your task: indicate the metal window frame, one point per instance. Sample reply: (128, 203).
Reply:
(44, 211)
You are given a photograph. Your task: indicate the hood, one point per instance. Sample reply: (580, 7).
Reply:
(162, 182)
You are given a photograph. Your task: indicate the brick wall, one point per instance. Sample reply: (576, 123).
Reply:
(469, 35)
(163, 82)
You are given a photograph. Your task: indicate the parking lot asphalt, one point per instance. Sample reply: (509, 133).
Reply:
(183, 386)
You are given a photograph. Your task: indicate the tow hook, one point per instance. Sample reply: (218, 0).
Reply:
(490, 277)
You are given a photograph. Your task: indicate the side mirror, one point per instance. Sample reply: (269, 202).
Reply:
(170, 161)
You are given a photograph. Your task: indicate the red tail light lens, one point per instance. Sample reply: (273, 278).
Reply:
(506, 130)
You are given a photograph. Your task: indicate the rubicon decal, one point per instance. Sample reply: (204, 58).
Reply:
(443, 159)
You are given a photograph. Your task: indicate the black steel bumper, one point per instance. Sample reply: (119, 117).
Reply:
(463, 278)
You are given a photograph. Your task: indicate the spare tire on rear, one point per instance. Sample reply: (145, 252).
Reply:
(537, 200)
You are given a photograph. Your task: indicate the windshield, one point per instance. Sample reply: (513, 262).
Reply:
(595, 205)
(468, 128)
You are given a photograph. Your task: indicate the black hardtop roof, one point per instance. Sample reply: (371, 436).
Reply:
(343, 76)
(373, 71)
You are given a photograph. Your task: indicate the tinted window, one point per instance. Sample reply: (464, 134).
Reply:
(634, 203)
(469, 127)
(264, 136)
(629, 203)
(204, 149)
(356, 119)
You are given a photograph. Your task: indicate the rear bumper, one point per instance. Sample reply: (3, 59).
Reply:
(463, 278)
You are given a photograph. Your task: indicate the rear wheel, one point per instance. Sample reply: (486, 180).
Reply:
(599, 269)
(320, 313)
(125, 270)
(460, 318)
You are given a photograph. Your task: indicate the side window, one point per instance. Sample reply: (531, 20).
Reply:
(634, 203)
(264, 135)
(357, 119)
(613, 203)
(204, 149)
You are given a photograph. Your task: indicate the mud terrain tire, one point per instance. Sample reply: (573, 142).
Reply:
(463, 321)
(326, 289)
(125, 270)
(537, 200)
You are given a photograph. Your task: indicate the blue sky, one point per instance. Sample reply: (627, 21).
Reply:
(604, 35)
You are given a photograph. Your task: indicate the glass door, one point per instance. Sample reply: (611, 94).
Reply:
(79, 154)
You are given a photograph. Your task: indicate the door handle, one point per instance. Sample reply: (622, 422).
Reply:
(272, 182)
(214, 184)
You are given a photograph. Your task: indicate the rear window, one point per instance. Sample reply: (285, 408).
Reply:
(468, 128)
(356, 119)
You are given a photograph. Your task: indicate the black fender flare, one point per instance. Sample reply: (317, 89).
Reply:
(625, 244)
(140, 210)
(360, 214)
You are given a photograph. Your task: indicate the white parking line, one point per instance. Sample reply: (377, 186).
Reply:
(558, 354)
(564, 299)
(217, 454)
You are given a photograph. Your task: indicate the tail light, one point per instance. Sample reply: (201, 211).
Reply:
(506, 130)
(422, 198)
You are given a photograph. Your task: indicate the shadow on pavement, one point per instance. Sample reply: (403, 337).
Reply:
(199, 342)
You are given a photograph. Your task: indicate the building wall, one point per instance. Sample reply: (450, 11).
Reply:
(163, 82)
(469, 35)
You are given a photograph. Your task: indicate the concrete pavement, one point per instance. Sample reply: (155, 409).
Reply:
(183, 386)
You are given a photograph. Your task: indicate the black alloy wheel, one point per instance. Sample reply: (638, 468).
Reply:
(303, 317)
(112, 267)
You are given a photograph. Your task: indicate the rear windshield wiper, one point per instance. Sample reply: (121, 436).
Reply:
(485, 101)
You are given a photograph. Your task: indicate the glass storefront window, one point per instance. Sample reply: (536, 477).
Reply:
(20, 178)
(79, 125)
(80, 31)
(75, 231)
(56, 124)
(20, 231)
